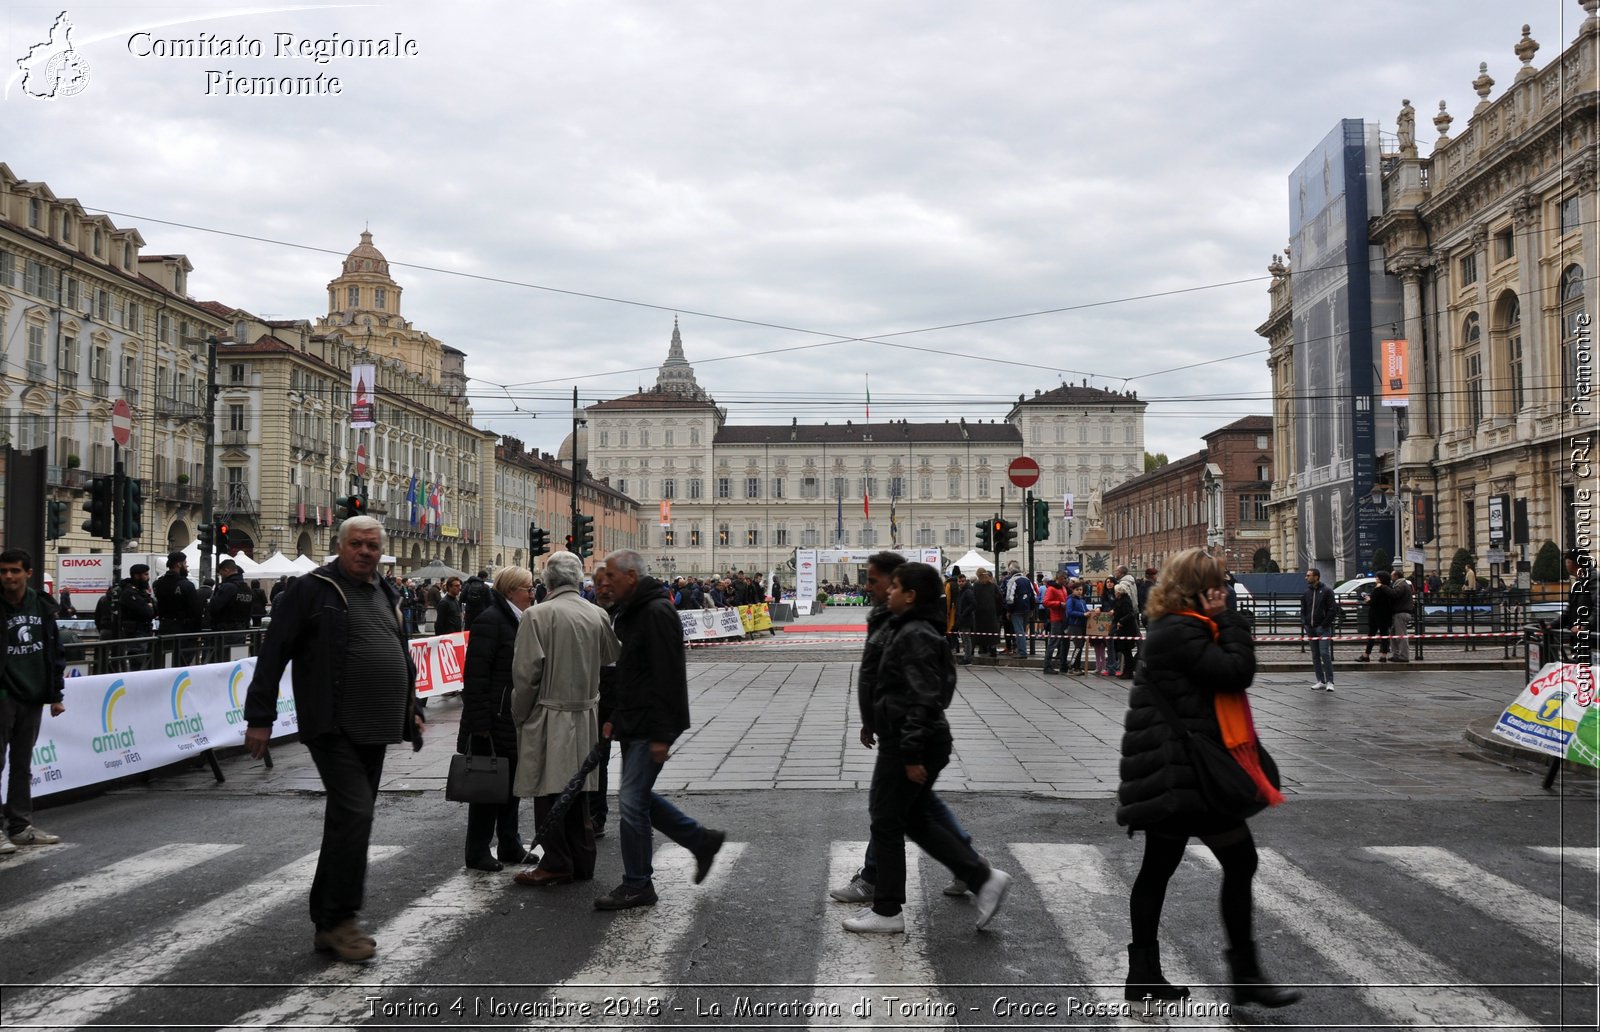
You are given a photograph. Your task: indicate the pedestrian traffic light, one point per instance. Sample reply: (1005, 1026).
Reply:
(1040, 531)
(986, 535)
(221, 532)
(98, 506)
(538, 541)
(1005, 535)
(55, 519)
(583, 532)
(131, 519)
(203, 534)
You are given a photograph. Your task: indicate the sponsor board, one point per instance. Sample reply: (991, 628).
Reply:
(707, 624)
(1556, 715)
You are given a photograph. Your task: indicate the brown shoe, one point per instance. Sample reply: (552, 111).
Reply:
(346, 940)
(539, 878)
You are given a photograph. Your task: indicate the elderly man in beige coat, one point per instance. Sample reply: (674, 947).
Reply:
(562, 644)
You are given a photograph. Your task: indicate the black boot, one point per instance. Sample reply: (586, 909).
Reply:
(1145, 980)
(1250, 986)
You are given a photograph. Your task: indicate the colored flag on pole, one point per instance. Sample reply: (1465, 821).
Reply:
(838, 527)
(866, 482)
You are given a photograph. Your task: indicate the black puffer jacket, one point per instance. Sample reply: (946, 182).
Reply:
(878, 635)
(916, 681)
(650, 696)
(486, 682)
(1182, 662)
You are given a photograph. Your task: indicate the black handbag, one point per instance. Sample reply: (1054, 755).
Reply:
(1224, 785)
(478, 779)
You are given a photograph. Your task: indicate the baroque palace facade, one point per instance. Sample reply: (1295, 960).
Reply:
(1495, 241)
(87, 319)
(745, 496)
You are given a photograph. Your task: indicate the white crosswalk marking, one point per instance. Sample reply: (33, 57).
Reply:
(1089, 905)
(1543, 920)
(1577, 857)
(29, 854)
(406, 944)
(1370, 954)
(640, 946)
(71, 895)
(95, 988)
(850, 963)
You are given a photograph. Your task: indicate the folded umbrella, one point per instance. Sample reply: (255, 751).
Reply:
(574, 785)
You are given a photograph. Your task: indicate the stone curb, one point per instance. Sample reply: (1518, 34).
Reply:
(1481, 736)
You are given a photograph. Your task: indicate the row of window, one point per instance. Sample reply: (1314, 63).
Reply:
(810, 536)
(811, 488)
(49, 284)
(64, 228)
(1506, 338)
(1503, 247)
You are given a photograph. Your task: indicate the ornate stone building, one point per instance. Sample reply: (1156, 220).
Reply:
(1218, 497)
(745, 496)
(286, 448)
(87, 319)
(1495, 241)
(535, 489)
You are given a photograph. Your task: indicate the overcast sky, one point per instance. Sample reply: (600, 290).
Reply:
(781, 174)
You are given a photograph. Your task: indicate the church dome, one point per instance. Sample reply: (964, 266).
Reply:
(366, 258)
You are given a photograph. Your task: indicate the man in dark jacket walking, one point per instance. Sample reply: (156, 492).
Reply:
(651, 710)
(880, 569)
(448, 619)
(355, 695)
(32, 676)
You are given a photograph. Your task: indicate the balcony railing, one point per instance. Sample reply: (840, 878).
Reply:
(186, 494)
(178, 408)
(67, 476)
(235, 438)
(237, 500)
(305, 442)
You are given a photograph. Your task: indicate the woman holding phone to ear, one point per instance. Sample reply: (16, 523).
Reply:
(1197, 662)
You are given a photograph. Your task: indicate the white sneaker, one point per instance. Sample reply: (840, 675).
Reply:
(1328, 687)
(857, 891)
(6, 846)
(992, 894)
(1319, 686)
(956, 888)
(869, 920)
(31, 836)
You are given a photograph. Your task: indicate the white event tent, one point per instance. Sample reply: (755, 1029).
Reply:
(969, 562)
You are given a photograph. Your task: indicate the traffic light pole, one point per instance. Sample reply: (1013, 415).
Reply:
(119, 481)
(1027, 527)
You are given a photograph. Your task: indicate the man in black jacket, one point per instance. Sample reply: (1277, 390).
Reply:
(448, 619)
(354, 696)
(32, 676)
(178, 606)
(651, 710)
(229, 607)
(138, 608)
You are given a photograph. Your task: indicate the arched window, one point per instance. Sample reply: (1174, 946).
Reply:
(1472, 369)
(1574, 321)
(1508, 333)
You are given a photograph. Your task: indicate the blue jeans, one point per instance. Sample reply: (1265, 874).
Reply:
(643, 810)
(1019, 634)
(1322, 653)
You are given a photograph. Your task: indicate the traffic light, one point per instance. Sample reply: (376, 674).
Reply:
(55, 519)
(538, 541)
(203, 534)
(1040, 530)
(220, 530)
(1005, 535)
(986, 535)
(132, 515)
(583, 535)
(98, 506)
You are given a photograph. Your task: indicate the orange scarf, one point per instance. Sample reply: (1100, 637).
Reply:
(1239, 729)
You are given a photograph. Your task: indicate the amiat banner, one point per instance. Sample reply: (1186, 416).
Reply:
(755, 618)
(1556, 714)
(1394, 378)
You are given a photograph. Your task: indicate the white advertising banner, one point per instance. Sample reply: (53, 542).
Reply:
(121, 724)
(805, 580)
(706, 624)
(91, 573)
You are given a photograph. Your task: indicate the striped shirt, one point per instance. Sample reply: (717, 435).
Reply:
(374, 694)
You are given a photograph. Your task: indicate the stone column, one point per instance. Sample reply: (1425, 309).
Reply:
(1411, 274)
(1536, 379)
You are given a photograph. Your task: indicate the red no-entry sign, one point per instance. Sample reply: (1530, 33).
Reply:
(1023, 471)
(121, 422)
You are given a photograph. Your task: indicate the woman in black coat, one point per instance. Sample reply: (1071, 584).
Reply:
(1200, 659)
(486, 723)
(916, 681)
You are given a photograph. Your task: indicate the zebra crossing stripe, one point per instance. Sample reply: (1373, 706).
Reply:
(1586, 857)
(852, 962)
(1371, 955)
(640, 947)
(1086, 900)
(28, 854)
(407, 943)
(95, 988)
(70, 895)
(1543, 920)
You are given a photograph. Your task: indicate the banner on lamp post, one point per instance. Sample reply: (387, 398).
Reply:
(363, 411)
(1395, 375)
